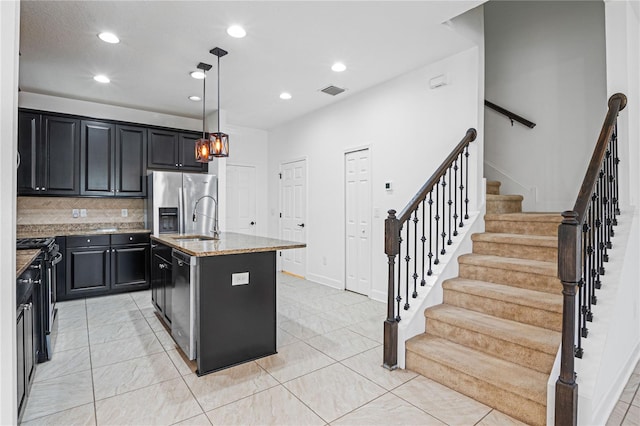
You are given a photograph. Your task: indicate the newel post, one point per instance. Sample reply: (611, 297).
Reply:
(569, 265)
(391, 242)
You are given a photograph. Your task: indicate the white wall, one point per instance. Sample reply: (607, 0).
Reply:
(546, 62)
(409, 129)
(9, 46)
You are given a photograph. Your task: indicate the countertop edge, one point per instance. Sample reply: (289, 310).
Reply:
(206, 253)
(25, 259)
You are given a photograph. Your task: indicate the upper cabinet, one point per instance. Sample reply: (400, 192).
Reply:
(49, 149)
(74, 156)
(174, 151)
(113, 160)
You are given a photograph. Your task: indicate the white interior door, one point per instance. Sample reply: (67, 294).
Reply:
(241, 199)
(358, 221)
(293, 225)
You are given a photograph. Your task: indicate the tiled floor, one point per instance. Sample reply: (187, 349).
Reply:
(114, 363)
(627, 410)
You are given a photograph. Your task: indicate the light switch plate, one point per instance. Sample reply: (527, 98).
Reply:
(241, 278)
(75, 213)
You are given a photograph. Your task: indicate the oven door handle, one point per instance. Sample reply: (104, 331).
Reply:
(56, 259)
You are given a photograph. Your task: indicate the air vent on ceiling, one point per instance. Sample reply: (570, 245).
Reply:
(332, 90)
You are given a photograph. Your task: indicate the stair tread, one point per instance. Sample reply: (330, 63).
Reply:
(525, 217)
(520, 239)
(503, 374)
(516, 295)
(500, 197)
(530, 336)
(522, 265)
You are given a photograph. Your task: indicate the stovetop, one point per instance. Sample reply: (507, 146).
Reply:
(32, 243)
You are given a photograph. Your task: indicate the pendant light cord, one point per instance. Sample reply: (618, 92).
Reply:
(218, 94)
(204, 99)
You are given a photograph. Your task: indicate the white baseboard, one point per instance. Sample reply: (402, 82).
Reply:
(378, 296)
(330, 282)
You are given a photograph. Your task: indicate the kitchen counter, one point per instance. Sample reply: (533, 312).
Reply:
(229, 243)
(65, 230)
(24, 259)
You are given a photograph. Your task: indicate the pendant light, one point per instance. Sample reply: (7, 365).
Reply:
(203, 153)
(218, 141)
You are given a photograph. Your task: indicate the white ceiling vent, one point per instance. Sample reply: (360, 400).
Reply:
(332, 90)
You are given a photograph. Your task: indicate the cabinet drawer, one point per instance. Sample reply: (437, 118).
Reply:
(136, 238)
(88, 240)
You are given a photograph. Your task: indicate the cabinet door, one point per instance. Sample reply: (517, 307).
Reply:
(28, 145)
(88, 271)
(163, 150)
(187, 157)
(157, 293)
(167, 288)
(97, 149)
(60, 155)
(129, 266)
(29, 344)
(131, 161)
(22, 388)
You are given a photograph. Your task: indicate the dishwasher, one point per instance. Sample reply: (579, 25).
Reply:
(183, 302)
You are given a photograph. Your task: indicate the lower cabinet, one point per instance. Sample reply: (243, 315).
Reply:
(105, 264)
(161, 280)
(25, 351)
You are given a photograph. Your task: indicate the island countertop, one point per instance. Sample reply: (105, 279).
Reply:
(229, 243)
(24, 259)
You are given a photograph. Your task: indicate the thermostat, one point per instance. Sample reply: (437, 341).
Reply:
(388, 186)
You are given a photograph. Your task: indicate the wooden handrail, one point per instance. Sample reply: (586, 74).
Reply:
(583, 240)
(512, 116)
(616, 104)
(470, 136)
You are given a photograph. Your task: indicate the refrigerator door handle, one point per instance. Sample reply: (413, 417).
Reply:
(181, 209)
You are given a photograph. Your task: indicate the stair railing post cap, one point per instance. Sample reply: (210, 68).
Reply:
(473, 133)
(621, 96)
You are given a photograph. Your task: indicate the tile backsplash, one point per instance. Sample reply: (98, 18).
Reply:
(58, 210)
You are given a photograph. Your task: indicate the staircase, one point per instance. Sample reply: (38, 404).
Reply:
(497, 333)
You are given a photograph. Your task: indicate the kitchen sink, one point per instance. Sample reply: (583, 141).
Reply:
(193, 238)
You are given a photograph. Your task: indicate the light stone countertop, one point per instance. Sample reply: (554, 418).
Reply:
(65, 230)
(229, 243)
(24, 259)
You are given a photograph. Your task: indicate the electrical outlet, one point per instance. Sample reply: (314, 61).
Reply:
(83, 212)
(124, 212)
(75, 213)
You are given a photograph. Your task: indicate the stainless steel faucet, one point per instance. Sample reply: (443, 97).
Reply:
(215, 230)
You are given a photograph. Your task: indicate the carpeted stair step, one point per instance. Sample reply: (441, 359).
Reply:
(523, 223)
(517, 304)
(523, 344)
(497, 204)
(515, 390)
(534, 247)
(493, 187)
(523, 273)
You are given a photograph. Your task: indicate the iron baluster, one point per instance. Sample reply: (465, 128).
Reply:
(466, 184)
(444, 205)
(616, 161)
(455, 198)
(437, 218)
(449, 242)
(461, 224)
(415, 254)
(430, 271)
(399, 297)
(407, 259)
(423, 239)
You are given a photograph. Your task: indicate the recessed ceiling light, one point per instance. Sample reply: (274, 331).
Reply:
(285, 96)
(195, 98)
(109, 38)
(338, 67)
(199, 75)
(101, 78)
(236, 31)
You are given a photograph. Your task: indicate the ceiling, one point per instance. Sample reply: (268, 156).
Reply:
(290, 46)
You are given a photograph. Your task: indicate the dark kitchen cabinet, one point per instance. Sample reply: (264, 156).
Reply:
(161, 280)
(97, 265)
(113, 160)
(174, 151)
(25, 349)
(49, 149)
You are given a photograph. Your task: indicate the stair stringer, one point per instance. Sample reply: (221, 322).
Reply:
(431, 294)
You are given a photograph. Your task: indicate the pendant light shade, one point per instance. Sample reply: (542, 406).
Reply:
(215, 144)
(218, 141)
(203, 153)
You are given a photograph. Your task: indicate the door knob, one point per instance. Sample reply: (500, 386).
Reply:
(252, 223)
(301, 225)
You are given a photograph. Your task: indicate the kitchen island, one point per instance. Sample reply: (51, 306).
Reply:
(219, 296)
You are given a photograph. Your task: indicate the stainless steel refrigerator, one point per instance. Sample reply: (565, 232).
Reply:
(184, 203)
